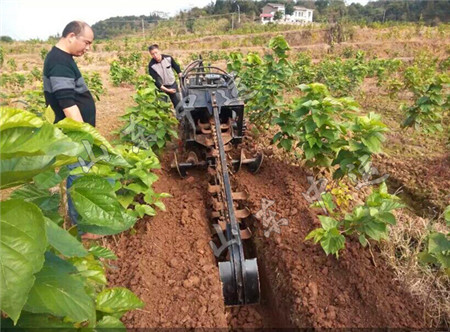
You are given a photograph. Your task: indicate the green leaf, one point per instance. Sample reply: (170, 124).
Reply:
(58, 292)
(47, 179)
(310, 125)
(70, 125)
(43, 322)
(315, 234)
(286, 144)
(372, 143)
(110, 322)
(332, 242)
(327, 199)
(438, 243)
(447, 215)
(117, 300)
(391, 204)
(160, 205)
(97, 204)
(64, 172)
(375, 230)
(426, 258)
(362, 239)
(90, 268)
(125, 200)
(309, 153)
(41, 197)
(62, 241)
(386, 217)
(102, 252)
(143, 209)
(26, 150)
(136, 187)
(327, 222)
(23, 244)
(11, 118)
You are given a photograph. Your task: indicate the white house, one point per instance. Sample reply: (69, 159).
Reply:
(300, 15)
(269, 10)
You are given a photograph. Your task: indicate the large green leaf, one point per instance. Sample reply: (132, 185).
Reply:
(23, 244)
(41, 197)
(70, 126)
(11, 118)
(26, 141)
(16, 171)
(117, 300)
(62, 241)
(59, 292)
(332, 242)
(29, 146)
(97, 204)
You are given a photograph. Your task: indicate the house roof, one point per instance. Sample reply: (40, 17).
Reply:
(301, 8)
(266, 15)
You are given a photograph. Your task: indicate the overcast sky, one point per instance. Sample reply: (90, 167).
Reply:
(26, 19)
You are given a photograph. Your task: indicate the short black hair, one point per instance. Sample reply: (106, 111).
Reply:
(77, 27)
(152, 47)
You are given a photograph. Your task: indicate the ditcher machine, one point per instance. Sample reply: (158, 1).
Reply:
(211, 129)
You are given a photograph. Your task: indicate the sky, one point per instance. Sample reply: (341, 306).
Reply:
(27, 19)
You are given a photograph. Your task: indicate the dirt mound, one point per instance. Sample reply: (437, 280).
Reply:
(169, 264)
(316, 290)
(425, 181)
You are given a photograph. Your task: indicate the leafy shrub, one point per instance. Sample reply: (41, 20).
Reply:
(368, 221)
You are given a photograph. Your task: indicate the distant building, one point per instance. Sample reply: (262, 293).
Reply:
(269, 10)
(301, 15)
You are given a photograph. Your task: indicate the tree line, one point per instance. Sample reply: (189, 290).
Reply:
(431, 12)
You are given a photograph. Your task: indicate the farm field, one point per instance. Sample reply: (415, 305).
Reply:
(354, 126)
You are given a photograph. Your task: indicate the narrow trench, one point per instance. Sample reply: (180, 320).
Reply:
(269, 309)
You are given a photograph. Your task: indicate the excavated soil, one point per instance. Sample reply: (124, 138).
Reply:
(313, 289)
(169, 264)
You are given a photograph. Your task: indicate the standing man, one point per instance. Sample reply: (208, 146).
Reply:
(161, 69)
(65, 90)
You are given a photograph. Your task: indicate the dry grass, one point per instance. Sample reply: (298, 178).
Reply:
(429, 285)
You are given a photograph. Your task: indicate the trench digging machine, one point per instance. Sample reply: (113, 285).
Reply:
(212, 127)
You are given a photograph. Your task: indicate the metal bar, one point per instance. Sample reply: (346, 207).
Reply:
(233, 230)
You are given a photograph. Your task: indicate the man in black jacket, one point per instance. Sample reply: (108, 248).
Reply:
(161, 69)
(66, 92)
